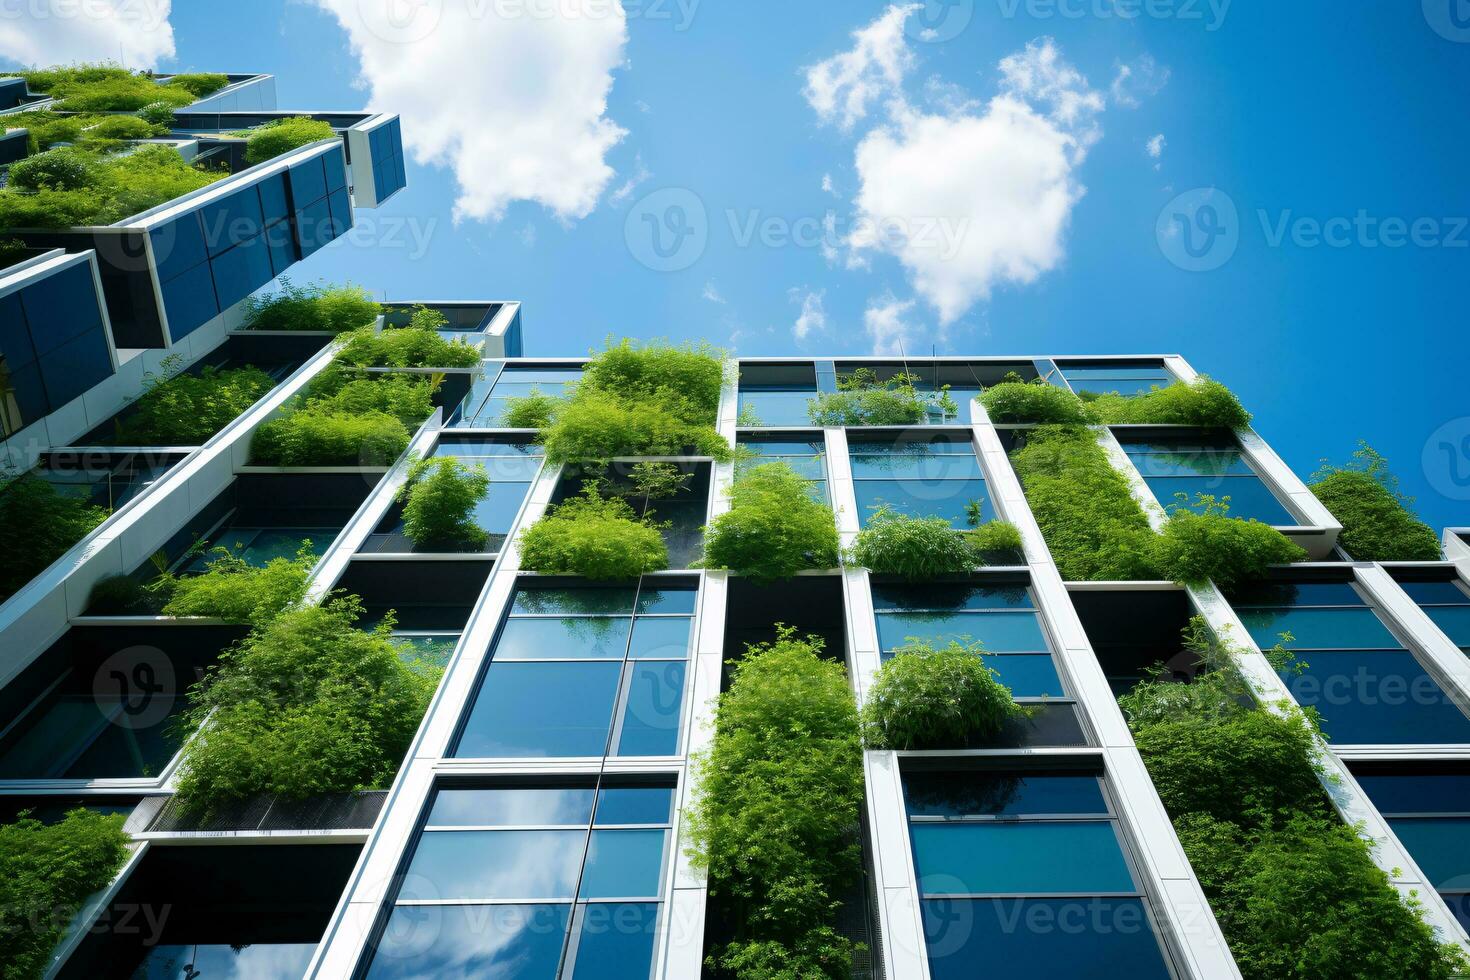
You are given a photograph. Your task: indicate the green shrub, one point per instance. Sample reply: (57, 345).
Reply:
(1378, 522)
(121, 128)
(861, 399)
(410, 346)
(119, 187)
(773, 529)
(895, 543)
(308, 703)
(315, 307)
(1202, 402)
(199, 83)
(1034, 401)
(45, 80)
(440, 497)
(157, 113)
(685, 377)
(531, 411)
(595, 537)
(927, 698)
(232, 589)
(996, 540)
(775, 818)
(269, 140)
(1092, 525)
(346, 421)
(38, 524)
(61, 169)
(1197, 548)
(46, 872)
(186, 409)
(408, 398)
(118, 94)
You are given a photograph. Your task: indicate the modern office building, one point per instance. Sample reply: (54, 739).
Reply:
(534, 827)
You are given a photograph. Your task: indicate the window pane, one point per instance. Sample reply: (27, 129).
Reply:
(534, 710)
(1377, 696)
(544, 601)
(953, 597)
(497, 863)
(975, 858)
(516, 807)
(1080, 939)
(634, 804)
(1454, 620)
(660, 638)
(496, 511)
(1249, 497)
(916, 467)
(1297, 594)
(1440, 847)
(623, 864)
(960, 794)
(775, 407)
(584, 638)
(616, 941)
(656, 598)
(1203, 462)
(1419, 793)
(655, 702)
(923, 498)
(999, 632)
(1320, 629)
(1432, 592)
(196, 961)
(488, 942)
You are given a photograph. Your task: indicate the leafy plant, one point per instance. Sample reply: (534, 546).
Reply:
(308, 703)
(314, 307)
(186, 409)
(773, 529)
(270, 139)
(342, 420)
(1034, 401)
(998, 538)
(440, 497)
(595, 537)
(46, 80)
(38, 524)
(531, 411)
(1378, 522)
(1092, 525)
(159, 113)
(927, 698)
(116, 187)
(1196, 548)
(47, 870)
(232, 589)
(896, 543)
(1202, 402)
(61, 169)
(416, 345)
(118, 94)
(861, 399)
(199, 83)
(775, 819)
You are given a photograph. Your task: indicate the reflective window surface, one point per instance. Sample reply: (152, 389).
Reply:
(1429, 811)
(1127, 379)
(807, 457)
(585, 671)
(922, 478)
(1194, 465)
(484, 406)
(1448, 604)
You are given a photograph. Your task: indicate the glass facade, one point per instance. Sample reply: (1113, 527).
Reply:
(807, 456)
(533, 882)
(53, 345)
(484, 407)
(1367, 685)
(585, 671)
(920, 476)
(1429, 811)
(1026, 867)
(1447, 603)
(1113, 377)
(1193, 465)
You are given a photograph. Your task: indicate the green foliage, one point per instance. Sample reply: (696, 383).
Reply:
(1295, 890)
(936, 699)
(199, 83)
(1034, 401)
(1000, 538)
(46, 872)
(651, 399)
(186, 409)
(1196, 548)
(416, 345)
(88, 130)
(861, 399)
(343, 421)
(1202, 402)
(314, 307)
(44, 81)
(129, 92)
(61, 169)
(157, 113)
(531, 411)
(38, 524)
(1378, 522)
(308, 703)
(121, 128)
(232, 589)
(595, 537)
(117, 187)
(440, 496)
(775, 821)
(1092, 525)
(269, 140)
(896, 543)
(773, 529)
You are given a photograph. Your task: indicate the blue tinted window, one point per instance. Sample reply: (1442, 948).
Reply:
(634, 805)
(1028, 857)
(948, 499)
(1418, 792)
(615, 941)
(653, 709)
(1001, 632)
(776, 407)
(542, 709)
(178, 245)
(537, 864)
(523, 942)
(623, 864)
(572, 600)
(1377, 697)
(658, 637)
(188, 301)
(511, 807)
(1441, 848)
(496, 511)
(1426, 593)
(581, 637)
(1250, 499)
(939, 466)
(1313, 629)
(941, 596)
(961, 794)
(654, 597)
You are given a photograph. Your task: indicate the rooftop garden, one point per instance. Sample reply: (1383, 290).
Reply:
(271, 139)
(1378, 522)
(185, 409)
(1203, 403)
(112, 88)
(862, 399)
(88, 130)
(347, 419)
(774, 527)
(1295, 890)
(317, 307)
(73, 186)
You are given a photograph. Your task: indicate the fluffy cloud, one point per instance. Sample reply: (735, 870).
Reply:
(887, 323)
(515, 106)
(1155, 146)
(137, 32)
(1133, 82)
(813, 317)
(966, 195)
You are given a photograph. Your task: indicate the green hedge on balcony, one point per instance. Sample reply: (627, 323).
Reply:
(186, 409)
(1378, 523)
(70, 186)
(38, 523)
(342, 420)
(317, 306)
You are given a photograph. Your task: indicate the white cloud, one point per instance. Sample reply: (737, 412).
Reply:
(137, 34)
(1039, 75)
(1156, 146)
(887, 324)
(842, 87)
(1133, 82)
(813, 317)
(712, 294)
(827, 186)
(640, 174)
(516, 106)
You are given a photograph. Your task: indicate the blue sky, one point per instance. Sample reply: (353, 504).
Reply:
(1020, 207)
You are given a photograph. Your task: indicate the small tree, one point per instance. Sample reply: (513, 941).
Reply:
(773, 528)
(917, 548)
(37, 525)
(936, 699)
(1203, 403)
(1378, 522)
(595, 537)
(861, 399)
(232, 589)
(440, 495)
(1196, 548)
(1034, 401)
